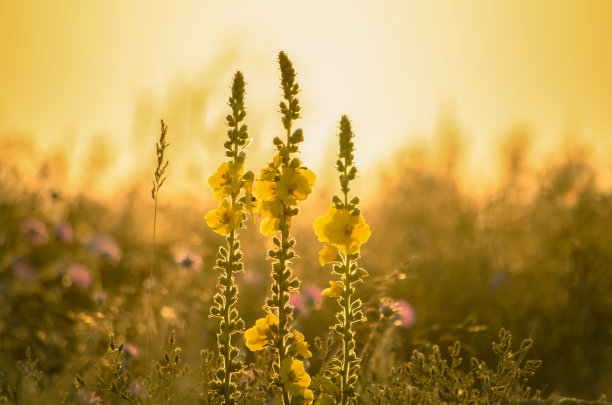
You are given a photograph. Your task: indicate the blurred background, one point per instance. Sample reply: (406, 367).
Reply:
(483, 131)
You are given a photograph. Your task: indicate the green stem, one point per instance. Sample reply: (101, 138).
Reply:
(282, 315)
(150, 286)
(226, 318)
(347, 336)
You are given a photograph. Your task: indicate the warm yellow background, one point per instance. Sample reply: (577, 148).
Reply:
(76, 72)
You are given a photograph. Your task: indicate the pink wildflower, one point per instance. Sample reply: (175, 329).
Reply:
(23, 271)
(137, 388)
(35, 231)
(63, 232)
(106, 247)
(188, 258)
(131, 349)
(312, 296)
(79, 275)
(399, 311)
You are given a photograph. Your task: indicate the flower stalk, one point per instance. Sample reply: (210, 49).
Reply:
(344, 230)
(281, 185)
(228, 184)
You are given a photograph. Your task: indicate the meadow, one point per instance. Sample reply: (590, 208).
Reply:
(446, 297)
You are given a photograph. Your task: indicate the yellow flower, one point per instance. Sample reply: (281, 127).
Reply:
(305, 398)
(338, 227)
(225, 218)
(262, 333)
(226, 180)
(251, 203)
(328, 254)
(269, 172)
(264, 190)
(294, 185)
(294, 377)
(271, 212)
(335, 289)
(300, 345)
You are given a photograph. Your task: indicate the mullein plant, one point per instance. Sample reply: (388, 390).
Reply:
(233, 190)
(279, 188)
(343, 230)
(158, 180)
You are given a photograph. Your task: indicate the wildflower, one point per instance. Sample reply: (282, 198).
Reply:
(225, 218)
(328, 254)
(188, 258)
(226, 180)
(300, 345)
(23, 271)
(251, 203)
(312, 296)
(262, 333)
(78, 275)
(137, 388)
(399, 311)
(265, 190)
(106, 247)
(335, 289)
(305, 398)
(63, 232)
(269, 173)
(339, 227)
(35, 231)
(296, 300)
(294, 377)
(294, 185)
(271, 212)
(131, 349)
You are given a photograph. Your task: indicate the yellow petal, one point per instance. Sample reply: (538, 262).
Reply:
(328, 254)
(265, 190)
(301, 346)
(335, 289)
(254, 340)
(269, 226)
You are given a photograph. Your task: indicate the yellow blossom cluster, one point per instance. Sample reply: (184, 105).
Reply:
(262, 334)
(277, 192)
(342, 231)
(296, 380)
(227, 182)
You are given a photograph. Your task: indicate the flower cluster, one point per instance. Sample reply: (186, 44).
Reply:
(343, 230)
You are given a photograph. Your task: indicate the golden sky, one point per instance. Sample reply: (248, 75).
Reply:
(106, 71)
